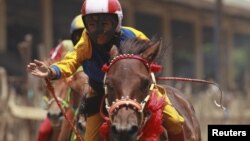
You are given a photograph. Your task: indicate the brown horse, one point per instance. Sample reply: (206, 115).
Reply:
(68, 92)
(128, 93)
(78, 87)
(54, 114)
(51, 126)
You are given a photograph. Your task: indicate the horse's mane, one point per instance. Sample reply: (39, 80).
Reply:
(137, 46)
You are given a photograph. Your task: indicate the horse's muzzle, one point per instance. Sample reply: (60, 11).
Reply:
(125, 125)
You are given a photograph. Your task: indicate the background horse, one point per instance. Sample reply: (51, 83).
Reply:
(79, 86)
(127, 87)
(69, 93)
(50, 128)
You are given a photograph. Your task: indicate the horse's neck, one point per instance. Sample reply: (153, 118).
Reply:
(61, 88)
(75, 98)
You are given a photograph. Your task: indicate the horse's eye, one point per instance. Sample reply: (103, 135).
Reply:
(110, 87)
(145, 85)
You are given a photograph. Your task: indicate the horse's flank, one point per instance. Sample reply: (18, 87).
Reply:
(185, 108)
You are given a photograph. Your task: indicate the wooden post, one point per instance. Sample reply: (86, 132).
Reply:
(168, 65)
(198, 49)
(130, 17)
(219, 49)
(25, 49)
(230, 46)
(3, 28)
(47, 24)
(3, 84)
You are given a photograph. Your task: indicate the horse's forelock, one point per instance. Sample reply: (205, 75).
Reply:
(137, 46)
(134, 46)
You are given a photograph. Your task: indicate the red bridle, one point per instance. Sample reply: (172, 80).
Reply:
(152, 67)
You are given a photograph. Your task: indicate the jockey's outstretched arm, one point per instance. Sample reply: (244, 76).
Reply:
(40, 69)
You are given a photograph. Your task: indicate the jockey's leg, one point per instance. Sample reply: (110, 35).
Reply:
(44, 130)
(172, 120)
(93, 124)
(91, 108)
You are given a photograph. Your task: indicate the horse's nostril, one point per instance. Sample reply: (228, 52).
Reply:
(54, 115)
(48, 115)
(133, 130)
(60, 114)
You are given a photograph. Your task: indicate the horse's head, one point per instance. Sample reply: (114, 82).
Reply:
(54, 113)
(127, 84)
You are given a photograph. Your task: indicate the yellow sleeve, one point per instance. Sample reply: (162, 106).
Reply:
(137, 33)
(72, 60)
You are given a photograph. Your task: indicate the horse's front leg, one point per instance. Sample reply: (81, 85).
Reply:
(66, 130)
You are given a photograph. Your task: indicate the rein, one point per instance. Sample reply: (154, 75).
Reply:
(63, 102)
(51, 89)
(197, 81)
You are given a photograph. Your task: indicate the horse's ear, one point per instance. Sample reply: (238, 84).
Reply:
(113, 51)
(151, 52)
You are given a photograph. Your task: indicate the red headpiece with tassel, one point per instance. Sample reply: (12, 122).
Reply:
(153, 127)
(153, 67)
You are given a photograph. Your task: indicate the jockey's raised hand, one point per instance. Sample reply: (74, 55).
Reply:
(39, 69)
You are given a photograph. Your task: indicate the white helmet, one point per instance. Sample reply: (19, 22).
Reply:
(103, 6)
